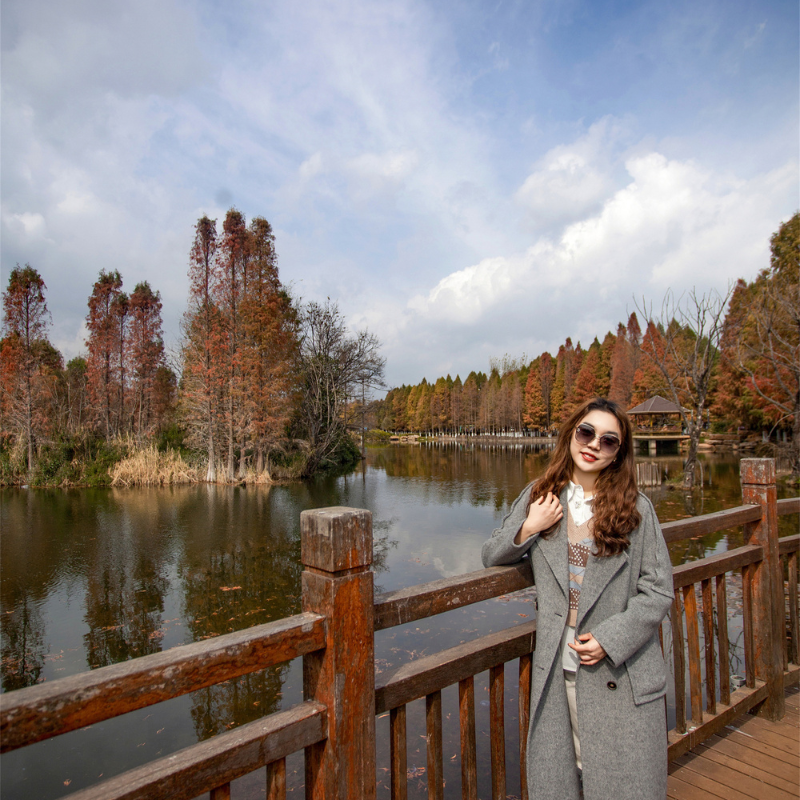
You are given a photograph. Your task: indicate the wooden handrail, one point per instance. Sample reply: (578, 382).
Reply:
(49, 709)
(789, 544)
(433, 673)
(710, 523)
(705, 568)
(436, 597)
(219, 760)
(789, 505)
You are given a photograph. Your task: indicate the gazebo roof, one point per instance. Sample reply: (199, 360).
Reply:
(656, 405)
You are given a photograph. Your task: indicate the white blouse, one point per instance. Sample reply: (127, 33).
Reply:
(581, 510)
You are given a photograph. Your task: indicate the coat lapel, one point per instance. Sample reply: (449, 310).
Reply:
(554, 549)
(599, 572)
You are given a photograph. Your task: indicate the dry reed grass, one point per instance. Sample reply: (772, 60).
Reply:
(152, 467)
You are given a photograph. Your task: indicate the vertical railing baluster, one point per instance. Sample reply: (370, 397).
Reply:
(469, 757)
(747, 620)
(433, 725)
(708, 641)
(525, 666)
(784, 623)
(221, 792)
(693, 648)
(794, 627)
(497, 734)
(398, 753)
(276, 780)
(679, 664)
(722, 635)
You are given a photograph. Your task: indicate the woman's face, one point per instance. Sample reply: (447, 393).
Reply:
(594, 456)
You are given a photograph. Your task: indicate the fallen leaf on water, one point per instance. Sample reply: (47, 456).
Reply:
(522, 615)
(68, 781)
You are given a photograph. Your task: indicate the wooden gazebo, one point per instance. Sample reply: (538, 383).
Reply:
(653, 408)
(651, 422)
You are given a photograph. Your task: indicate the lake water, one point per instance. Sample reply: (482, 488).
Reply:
(94, 577)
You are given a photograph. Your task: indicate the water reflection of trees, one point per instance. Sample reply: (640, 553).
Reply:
(126, 582)
(42, 542)
(241, 568)
(453, 473)
(124, 610)
(24, 646)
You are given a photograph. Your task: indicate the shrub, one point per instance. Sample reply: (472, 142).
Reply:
(152, 467)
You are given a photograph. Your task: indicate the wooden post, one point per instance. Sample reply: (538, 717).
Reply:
(758, 488)
(337, 583)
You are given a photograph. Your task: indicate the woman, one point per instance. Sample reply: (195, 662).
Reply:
(603, 584)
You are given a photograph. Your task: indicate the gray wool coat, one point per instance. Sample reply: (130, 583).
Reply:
(621, 715)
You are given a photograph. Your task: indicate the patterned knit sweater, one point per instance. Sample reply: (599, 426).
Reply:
(580, 545)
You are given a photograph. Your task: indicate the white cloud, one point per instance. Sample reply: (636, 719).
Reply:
(312, 166)
(572, 180)
(27, 225)
(673, 225)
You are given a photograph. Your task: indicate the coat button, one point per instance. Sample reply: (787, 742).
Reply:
(611, 685)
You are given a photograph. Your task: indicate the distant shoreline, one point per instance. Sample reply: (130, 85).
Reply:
(481, 438)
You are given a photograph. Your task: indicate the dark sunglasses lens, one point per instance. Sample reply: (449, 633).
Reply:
(584, 434)
(609, 444)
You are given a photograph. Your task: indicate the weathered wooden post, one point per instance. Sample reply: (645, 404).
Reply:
(337, 583)
(758, 488)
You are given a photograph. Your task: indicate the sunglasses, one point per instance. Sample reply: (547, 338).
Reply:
(586, 434)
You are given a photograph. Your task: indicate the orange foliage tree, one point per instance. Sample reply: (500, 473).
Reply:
(146, 353)
(105, 379)
(240, 346)
(25, 355)
(767, 337)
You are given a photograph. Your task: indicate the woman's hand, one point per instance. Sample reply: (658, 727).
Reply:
(589, 650)
(542, 515)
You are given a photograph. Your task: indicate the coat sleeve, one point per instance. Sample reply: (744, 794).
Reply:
(622, 634)
(500, 549)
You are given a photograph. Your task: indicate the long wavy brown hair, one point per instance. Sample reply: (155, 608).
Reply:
(614, 506)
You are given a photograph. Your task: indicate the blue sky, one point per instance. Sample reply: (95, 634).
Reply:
(465, 179)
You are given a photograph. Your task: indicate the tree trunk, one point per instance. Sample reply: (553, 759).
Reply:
(231, 457)
(363, 433)
(211, 471)
(795, 446)
(29, 418)
(690, 465)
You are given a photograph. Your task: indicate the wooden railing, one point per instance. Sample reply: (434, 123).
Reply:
(335, 725)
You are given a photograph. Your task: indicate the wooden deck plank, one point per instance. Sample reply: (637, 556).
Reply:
(780, 728)
(687, 771)
(755, 744)
(736, 783)
(762, 731)
(727, 747)
(678, 789)
(740, 768)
